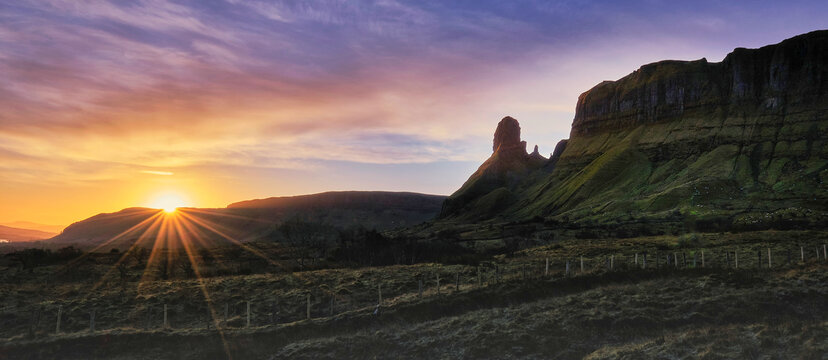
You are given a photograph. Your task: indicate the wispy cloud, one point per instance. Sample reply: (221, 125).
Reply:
(154, 172)
(93, 90)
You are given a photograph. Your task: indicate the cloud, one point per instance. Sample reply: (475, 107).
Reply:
(153, 172)
(94, 90)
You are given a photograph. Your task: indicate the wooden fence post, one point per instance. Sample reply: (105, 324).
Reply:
(479, 277)
(736, 258)
(457, 282)
(582, 264)
(60, 311)
(420, 287)
(695, 257)
(308, 308)
(333, 297)
(546, 272)
(645, 260)
(612, 262)
(38, 315)
(567, 268)
(226, 314)
(438, 283)
(770, 262)
(802, 253)
(636, 259)
(248, 313)
(759, 258)
(92, 321)
(702, 258)
(166, 324)
(32, 323)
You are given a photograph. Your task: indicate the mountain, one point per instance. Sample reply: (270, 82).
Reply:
(252, 219)
(119, 227)
(676, 145)
(371, 209)
(13, 234)
(35, 226)
(355, 200)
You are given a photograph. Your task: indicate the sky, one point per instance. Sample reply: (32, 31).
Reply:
(112, 104)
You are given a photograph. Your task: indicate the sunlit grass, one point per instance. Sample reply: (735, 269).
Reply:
(172, 227)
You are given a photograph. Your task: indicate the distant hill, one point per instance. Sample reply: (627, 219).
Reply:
(35, 226)
(675, 146)
(379, 210)
(102, 227)
(13, 234)
(355, 200)
(253, 219)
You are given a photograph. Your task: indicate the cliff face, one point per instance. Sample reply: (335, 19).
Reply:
(774, 80)
(740, 143)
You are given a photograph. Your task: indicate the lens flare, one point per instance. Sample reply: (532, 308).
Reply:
(168, 201)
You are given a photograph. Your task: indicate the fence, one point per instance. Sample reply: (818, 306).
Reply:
(238, 311)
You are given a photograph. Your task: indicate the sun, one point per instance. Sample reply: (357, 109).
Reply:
(168, 201)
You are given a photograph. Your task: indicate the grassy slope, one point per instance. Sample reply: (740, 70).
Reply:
(623, 180)
(694, 315)
(636, 313)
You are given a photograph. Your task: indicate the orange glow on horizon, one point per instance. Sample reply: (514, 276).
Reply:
(168, 201)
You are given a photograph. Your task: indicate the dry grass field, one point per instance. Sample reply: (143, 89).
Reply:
(514, 308)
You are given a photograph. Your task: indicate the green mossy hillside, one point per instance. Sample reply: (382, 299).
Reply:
(734, 145)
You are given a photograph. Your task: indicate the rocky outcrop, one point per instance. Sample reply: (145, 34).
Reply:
(536, 159)
(508, 165)
(559, 149)
(729, 145)
(507, 137)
